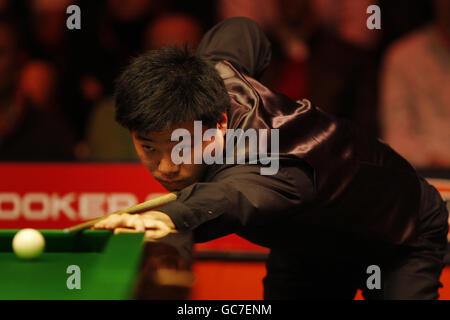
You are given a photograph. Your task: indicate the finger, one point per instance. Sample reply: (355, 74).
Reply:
(156, 234)
(134, 221)
(154, 214)
(128, 221)
(155, 224)
(100, 224)
(113, 221)
(139, 224)
(124, 230)
(149, 222)
(161, 216)
(162, 226)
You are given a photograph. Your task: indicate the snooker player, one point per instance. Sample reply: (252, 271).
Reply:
(339, 202)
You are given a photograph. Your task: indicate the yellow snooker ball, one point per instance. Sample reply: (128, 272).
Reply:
(28, 244)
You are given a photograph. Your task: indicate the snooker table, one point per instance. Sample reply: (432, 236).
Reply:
(112, 267)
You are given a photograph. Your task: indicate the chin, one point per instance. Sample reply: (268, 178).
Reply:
(175, 188)
(172, 189)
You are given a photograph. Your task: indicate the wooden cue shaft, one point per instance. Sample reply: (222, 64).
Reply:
(141, 207)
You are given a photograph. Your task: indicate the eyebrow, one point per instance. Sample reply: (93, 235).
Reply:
(145, 139)
(148, 139)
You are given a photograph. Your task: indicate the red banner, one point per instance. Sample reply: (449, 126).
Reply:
(59, 195)
(52, 196)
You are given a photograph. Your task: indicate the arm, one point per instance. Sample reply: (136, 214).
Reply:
(238, 199)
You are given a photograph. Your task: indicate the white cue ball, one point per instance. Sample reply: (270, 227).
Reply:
(28, 244)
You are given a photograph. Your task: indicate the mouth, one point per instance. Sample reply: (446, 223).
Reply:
(171, 182)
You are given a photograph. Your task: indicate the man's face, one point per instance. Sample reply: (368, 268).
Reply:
(155, 149)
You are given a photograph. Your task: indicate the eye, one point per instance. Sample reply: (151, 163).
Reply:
(148, 148)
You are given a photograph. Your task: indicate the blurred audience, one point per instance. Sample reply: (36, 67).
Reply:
(50, 40)
(288, 72)
(9, 75)
(106, 140)
(332, 62)
(400, 17)
(57, 80)
(48, 28)
(344, 67)
(40, 132)
(415, 92)
(265, 13)
(116, 29)
(173, 29)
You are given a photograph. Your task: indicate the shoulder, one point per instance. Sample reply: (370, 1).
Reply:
(293, 176)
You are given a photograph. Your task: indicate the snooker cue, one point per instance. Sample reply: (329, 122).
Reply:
(141, 207)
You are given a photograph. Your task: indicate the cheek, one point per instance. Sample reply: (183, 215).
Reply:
(151, 166)
(194, 172)
(140, 153)
(146, 160)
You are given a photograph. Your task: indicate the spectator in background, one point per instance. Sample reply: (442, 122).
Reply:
(173, 29)
(50, 40)
(3, 5)
(49, 35)
(10, 113)
(344, 65)
(12, 8)
(415, 93)
(110, 34)
(106, 140)
(40, 132)
(114, 33)
(265, 13)
(331, 62)
(400, 17)
(290, 34)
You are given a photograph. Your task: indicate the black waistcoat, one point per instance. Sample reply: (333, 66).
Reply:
(362, 186)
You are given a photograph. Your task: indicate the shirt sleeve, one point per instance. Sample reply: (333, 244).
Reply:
(238, 198)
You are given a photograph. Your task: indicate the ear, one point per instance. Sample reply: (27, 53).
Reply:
(222, 124)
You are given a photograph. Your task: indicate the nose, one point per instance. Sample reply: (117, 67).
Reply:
(167, 168)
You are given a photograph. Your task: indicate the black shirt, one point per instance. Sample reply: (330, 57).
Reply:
(335, 184)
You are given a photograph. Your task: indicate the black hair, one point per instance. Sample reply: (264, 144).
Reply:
(164, 87)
